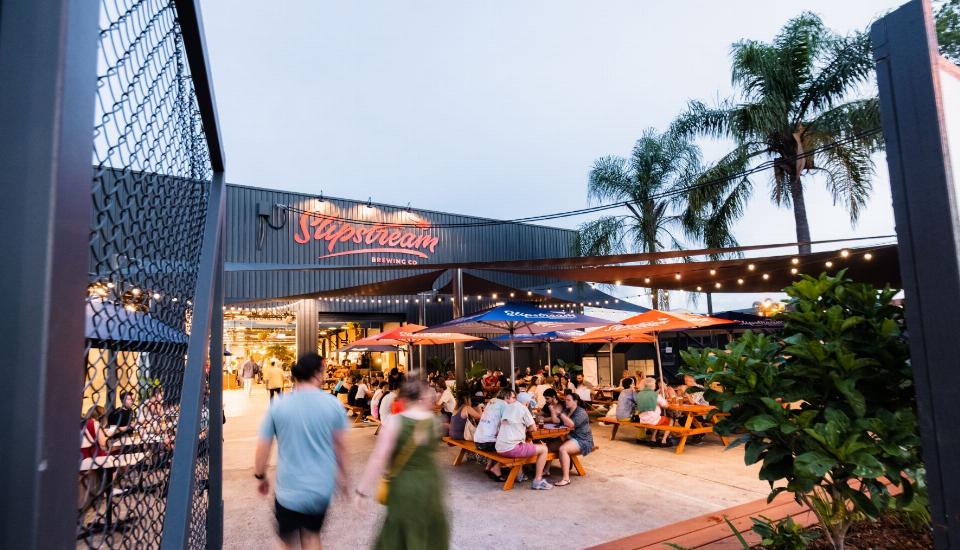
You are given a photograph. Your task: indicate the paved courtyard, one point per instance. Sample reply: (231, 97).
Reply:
(628, 488)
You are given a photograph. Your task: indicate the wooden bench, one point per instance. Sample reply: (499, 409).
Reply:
(514, 464)
(683, 431)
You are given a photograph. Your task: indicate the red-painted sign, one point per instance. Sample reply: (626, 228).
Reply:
(379, 238)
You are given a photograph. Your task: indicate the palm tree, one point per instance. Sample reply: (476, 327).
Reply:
(792, 111)
(651, 184)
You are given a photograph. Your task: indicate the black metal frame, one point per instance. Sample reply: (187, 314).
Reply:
(48, 52)
(48, 62)
(928, 230)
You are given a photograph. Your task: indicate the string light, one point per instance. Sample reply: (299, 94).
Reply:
(751, 267)
(569, 289)
(868, 256)
(646, 280)
(511, 294)
(676, 276)
(717, 285)
(713, 271)
(795, 261)
(766, 276)
(739, 281)
(699, 288)
(618, 282)
(829, 264)
(793, 270)
(844, 253)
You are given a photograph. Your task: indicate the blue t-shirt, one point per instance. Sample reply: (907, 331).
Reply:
(304, 422)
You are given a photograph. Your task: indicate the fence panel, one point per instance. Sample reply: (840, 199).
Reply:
(151, 190)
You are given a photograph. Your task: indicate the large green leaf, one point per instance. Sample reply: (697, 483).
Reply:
(813, 464)
(760, 423)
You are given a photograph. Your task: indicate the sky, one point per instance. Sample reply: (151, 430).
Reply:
(491, 108)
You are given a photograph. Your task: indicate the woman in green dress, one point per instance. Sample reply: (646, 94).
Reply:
(406, 454)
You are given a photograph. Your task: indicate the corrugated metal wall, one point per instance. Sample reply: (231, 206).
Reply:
(466, 244)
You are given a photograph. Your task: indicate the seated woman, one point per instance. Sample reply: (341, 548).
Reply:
(511, 442)
(694, 397)
(486, 434)
(626, 402)
(580, 441)
(649, 406)
(464, 414)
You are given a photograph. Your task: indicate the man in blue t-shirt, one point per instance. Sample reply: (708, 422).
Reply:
(308, 424)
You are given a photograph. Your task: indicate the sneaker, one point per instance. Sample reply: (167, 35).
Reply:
(521, 477)
(542, 485)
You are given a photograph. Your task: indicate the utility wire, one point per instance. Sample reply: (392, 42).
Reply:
(763, 166)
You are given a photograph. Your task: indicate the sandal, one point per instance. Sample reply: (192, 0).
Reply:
(562, 483)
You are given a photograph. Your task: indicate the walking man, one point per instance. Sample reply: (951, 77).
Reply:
(247, 371)
(273, 376)
(308, 425)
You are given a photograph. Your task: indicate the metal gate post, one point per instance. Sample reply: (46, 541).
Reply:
(48, 62)
(215, 403)
(176, 522)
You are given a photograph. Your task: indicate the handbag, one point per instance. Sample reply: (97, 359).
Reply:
(383, 488)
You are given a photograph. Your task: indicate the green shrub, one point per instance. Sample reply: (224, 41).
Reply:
(844, 365)
(782, 535)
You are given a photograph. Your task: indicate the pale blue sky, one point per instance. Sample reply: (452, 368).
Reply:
(488, 108)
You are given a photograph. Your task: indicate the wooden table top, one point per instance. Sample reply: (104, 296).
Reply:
(549, 433)
(688, 408)
(107, 462)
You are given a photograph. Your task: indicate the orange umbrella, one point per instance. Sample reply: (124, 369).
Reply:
(440, 338)
(656, 321)
(614, 334)
(410, 334)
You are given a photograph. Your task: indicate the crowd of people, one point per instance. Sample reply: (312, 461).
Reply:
(646, 402)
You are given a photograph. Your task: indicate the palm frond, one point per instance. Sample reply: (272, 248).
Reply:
(848, 64)
(855, 120)
(699, 119)
(602, 236)
(609, 180)
(848, 169)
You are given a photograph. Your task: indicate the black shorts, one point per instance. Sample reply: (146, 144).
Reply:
(289, 521)
(486, 446)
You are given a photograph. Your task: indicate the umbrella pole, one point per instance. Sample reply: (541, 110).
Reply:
(513, 373)
(549, 359)
(611, 363)
(656, 336)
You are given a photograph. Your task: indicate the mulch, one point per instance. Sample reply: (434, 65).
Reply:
(887, 533)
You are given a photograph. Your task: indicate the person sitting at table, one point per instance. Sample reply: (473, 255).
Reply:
(386, 402)
(93, 438)
(580, 438)
(465, 414)
(583, 388)
(540, 386)
(511, 442)
(447, 402)
(377, 387)
(626, 402)
(490, 382)
(485, 435)
(694, 397)
(123, 419)
(551, 407)
(649, 406)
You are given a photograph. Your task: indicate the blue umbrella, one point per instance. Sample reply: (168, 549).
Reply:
(483, 345)
(517, 319)
(544, 337)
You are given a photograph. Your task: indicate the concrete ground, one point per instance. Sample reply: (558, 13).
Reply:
(628, 489)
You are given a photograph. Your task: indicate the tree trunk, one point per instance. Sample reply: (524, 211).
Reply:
(655, 298)
(800, 214)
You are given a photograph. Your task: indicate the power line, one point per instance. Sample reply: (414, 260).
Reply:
(763, 166)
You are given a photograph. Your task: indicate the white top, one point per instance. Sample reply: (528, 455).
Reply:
(362, 390)
(652, 417)
(385, 402)
(584, 392)
(538, 392)
(447, 402)
(489, 423)
(513, 426)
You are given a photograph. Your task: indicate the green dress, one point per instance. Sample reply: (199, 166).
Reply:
(416, 516)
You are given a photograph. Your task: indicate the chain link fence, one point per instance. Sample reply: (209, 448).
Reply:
(150, 188)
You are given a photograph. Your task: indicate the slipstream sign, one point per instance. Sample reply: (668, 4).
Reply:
(382, 238)
(545, 315)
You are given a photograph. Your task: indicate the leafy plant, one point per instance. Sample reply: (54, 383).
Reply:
(569, 368)
(829, 409)
(785, 534)
(283, 354)
(476, 369)
(440, 365)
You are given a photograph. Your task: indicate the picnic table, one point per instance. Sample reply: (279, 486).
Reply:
(693, 421)
(109, 464)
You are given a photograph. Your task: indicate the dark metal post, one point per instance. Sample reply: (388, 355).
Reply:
(176, 522)
(422, 322)
(709, 303)
(459, 356)
(215, 402)
(925, 203)
(307, 325)
(48, 62)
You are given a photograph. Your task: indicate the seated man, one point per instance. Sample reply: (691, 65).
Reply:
(123, 418)
(485, 435)
(551, 407)
(490, 382)
(649, 405)
(626, 403)
(511, 442)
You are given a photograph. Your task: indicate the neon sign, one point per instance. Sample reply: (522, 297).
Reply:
(378, 237)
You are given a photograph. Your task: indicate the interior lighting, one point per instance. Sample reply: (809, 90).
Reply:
(569, 289)
(156, 295)
(676, 276)
(109, 284)
(479, 297)
(751, 267)
(135, 291)
(549, 291)
(174, 299)
(130, 307)
(494, 296)
(868, 256)
(465, 298)
(529, 293)
(844, 253)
